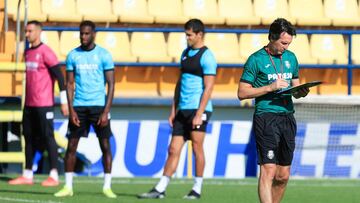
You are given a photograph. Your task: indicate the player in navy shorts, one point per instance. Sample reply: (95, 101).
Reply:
(89, 68)
(191, 109)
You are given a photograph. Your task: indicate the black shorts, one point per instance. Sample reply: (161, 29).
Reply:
(88, 116)
(183, 123)
(37, 123)
(275, 138)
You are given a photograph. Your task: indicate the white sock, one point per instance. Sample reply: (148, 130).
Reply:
(27, 173)
(162, 184)
(107, 181)
(54, 174)
(69, 179)
(197, 184)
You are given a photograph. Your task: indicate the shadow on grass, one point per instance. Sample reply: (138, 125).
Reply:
(97, 194)
(25, 192)
(4, 179)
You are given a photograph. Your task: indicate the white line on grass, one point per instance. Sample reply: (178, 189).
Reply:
(240, 182)
(26, 200)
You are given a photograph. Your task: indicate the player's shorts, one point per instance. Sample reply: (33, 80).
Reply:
(88, 116)
(275, 138)
(183, 123)
(37, 123)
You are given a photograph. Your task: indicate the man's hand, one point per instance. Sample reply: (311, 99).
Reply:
(197, 121)
(74, 119)
(301, 92)
(64, 109)
(278, 84)
(103, 120)
(171, 119)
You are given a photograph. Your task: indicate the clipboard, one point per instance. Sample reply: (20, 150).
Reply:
(297, 88)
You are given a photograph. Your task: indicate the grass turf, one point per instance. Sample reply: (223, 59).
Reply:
(89, 190)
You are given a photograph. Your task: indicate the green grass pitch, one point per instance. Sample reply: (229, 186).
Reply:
(88, 190)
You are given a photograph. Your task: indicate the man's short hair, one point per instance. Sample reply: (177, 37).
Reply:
(279, 26)
(88, 23)
(195, 25)
(35, 22)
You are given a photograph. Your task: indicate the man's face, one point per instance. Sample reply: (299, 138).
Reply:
(87, 35)
(32, 33)
(282, 44)
(193, 38)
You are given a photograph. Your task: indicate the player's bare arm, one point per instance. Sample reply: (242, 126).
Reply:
(110, 80)
(174, 103)
(70, 87)
(247, 91)
(209, 81)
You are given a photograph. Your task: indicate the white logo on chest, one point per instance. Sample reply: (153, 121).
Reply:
(32, 65)
(287, 64)
(275, 76)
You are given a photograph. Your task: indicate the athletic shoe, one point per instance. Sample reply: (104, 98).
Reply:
(152, 194)
(50, 182)
(64, 192)
(21, 181)
(192, 195)
(109, 193)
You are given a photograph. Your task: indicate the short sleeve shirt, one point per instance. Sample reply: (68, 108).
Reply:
(192, 86)
(89, 73)
(259, 71)
(39, 82)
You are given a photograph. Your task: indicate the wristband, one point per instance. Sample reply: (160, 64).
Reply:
(63, 97)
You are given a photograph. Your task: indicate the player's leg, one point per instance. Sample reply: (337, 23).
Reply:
(103, 135)
(28, 135)
(198, 148)
(46, 118)
(27, 176)
(267, 140)
(70, 160)
(74, 134)
(107, 163)
(106, 151)
(279, 183)
(197, 138)
(174, 151)
(178, 139)
(285, 156)
(267, 174)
